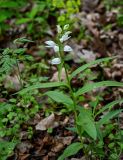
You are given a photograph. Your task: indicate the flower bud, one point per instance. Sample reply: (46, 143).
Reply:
(66, 26)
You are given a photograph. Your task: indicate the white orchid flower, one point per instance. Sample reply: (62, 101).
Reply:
(59, 29)
(66, 26)
(68, 48)
(56, 61)
(50, 44)
(65, 37)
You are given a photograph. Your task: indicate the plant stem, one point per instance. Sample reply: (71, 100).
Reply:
(74, 101)
(61, 54)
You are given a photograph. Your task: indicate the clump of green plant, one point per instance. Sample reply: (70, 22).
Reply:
(19, 109)
(12, 116)
(69, 8)
(89, 123)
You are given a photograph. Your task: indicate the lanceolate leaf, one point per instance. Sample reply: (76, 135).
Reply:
(109, 106)
(60, 97)
(89, 87)
(86, 121)
(83, 67)
(108, 116)
(42, 85)
(71, 150)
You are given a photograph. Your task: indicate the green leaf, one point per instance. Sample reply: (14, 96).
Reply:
(4, 14)
(6, 148)
(5, 107)
(89, 87)
(42, 85)
(23, 20)
(21, 40)
(71, 150)
(87, 122)
(109, 106)
(33, 12)
(60, 97)
(108, 116)
(83, 67)
(8, 4)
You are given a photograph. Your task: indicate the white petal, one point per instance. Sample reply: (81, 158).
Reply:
(56, 48)
(65, 37)
(68, 32)
(68, 48)
(50, 43)
(56, 61)
(59, 29)
(66, 27)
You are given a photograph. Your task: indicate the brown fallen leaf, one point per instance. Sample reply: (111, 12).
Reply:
(47, 123)
(12, 83)
(24, 147)
(55, 76)
(90, 5)
(87, 55)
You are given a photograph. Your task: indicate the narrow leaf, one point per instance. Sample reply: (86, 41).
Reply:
(59, 97)
(109, 106)
(108, 116)
(71, 150)
(42, 85)
(89, 87)
(85, 66)
(86, 121)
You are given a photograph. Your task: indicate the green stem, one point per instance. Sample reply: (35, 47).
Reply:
(61, 54)
(74, 101)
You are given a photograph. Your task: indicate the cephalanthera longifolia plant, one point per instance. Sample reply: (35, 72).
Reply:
(86, 123)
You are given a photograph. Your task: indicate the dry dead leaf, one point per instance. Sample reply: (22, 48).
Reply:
(12, 83)
(87, 55)
(55, 76)
(58, 147)
(47, 123)
(90, 5)
(24, 147)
